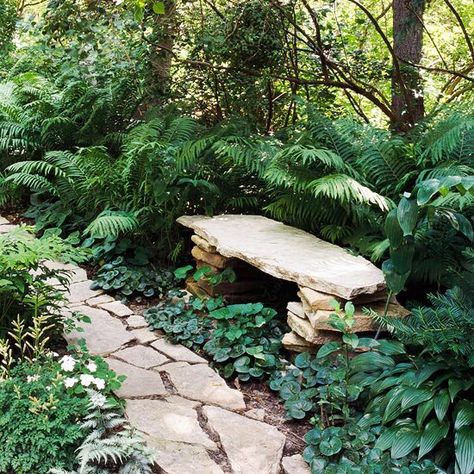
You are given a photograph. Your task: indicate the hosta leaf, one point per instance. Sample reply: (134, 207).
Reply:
(415, 396)
(433, 433)
(406, 440)
(441, 404)
(393, 408)
(464, 450)
(391, 347)
(386, 439)
(427, 190)
(423, 410)
(392, 229)
(464, 414)
(371, 360)
(454, 387)
(407, 215)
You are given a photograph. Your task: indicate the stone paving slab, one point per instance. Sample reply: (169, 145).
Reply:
(117, 308)
(139, 382)
(104, 335)
(288, 253)
(295, 465)
(81, 291)
(144, 335)
(164, 421)
(200, 382)
(182, 458)
(136, 322)
(251, 446)
(177, 352)
(141, 356)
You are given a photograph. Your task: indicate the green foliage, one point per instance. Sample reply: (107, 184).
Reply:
(420, 402)
(241, 339)
(111, 445)
(246, 340)
(38, 420)
(418, 213)
(184, 322)
(127, 280)
(27, 291)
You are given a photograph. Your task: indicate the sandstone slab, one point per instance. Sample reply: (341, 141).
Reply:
(177, 352)
(203, 244)
(81, 291)
(117, 308)
(317, 300)
(295, 465)
(139, 382)
(293, 342)
(181, 458)
(200, 382)
(297, 309)
(144, 335)
(141, 356)
(288, 253)
(5, 228)
(304, 329)
(77, 274)
(3, 221)
(214, 259)
(97, 300)
(137, 322)
(167, 421)
(363, 322)
(103, 335)
(251, 446)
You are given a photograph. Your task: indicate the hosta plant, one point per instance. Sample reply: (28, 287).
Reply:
(425, 405)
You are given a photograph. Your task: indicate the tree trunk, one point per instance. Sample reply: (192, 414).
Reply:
(162, 53)
(407, 87)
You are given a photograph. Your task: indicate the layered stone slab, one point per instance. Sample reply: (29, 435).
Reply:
(251, 446)
(286, 253)
(117, 308)
(104, 335)
(81, 291)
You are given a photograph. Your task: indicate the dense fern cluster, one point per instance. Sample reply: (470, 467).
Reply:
(79, 151)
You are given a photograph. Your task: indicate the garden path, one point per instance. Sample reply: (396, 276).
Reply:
(187, 414)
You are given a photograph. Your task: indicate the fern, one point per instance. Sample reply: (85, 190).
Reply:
(112, 224)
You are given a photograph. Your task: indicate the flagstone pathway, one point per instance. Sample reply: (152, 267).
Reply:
(185, 411)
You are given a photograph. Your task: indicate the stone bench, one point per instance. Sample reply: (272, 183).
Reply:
(322, 271)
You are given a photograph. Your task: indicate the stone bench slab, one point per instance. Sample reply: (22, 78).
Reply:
(288, 253)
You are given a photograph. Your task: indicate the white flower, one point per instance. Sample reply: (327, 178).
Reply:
(86, 379)
(70, 382)
(32, 378)
(68, 363)
(91, 366)
(97, 399)
(99, 383)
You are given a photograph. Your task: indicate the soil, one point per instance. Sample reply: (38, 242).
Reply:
(257, 394)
